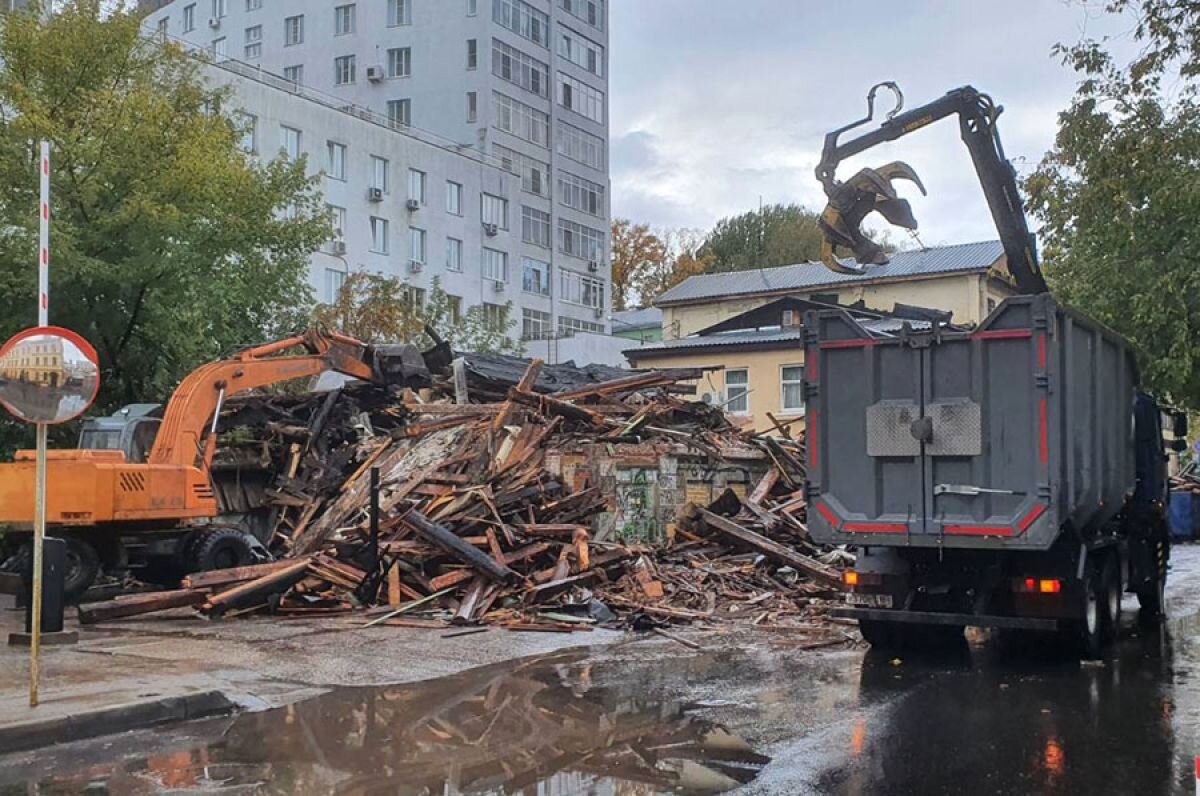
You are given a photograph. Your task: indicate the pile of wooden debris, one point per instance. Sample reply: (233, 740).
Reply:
(470, 523)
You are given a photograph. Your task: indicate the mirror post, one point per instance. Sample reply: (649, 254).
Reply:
(39, 489)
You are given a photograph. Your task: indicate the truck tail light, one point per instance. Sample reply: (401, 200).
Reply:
(1039, 586)
(851, 577)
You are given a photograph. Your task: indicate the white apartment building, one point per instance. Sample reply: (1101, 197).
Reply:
(506, 99)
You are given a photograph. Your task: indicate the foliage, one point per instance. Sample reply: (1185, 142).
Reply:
(376, 308)
(683, 260)
(1119, 197)
(634, 249)
(774, 235)
(170, 247)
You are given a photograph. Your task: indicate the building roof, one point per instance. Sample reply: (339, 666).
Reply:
(765, 338)
(959, 258)
(650, 317)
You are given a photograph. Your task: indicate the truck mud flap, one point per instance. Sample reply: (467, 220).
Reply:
(936, 618)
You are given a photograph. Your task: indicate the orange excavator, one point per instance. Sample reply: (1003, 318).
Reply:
(140, 483)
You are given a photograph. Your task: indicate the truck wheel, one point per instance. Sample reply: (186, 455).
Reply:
(1090, 627)
(1153, 601)
(222, 548)
(1111, 583)
(881, 634)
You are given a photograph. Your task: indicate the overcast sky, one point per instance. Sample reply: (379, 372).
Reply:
(716, 103)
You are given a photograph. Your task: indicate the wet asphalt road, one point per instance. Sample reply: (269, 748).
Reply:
(759, 716)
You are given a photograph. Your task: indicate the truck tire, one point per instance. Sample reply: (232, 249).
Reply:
(222, 548)
(1152, 599)
(83, 566)
(1089, 630)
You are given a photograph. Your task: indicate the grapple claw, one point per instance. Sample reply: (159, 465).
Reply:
(870, 190)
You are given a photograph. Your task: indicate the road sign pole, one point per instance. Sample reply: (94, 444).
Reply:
(39, 488)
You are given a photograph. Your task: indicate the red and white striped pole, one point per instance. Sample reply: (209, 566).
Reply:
(39, 487)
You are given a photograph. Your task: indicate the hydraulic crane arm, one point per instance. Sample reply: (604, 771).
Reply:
(870, 189)
(196, 403)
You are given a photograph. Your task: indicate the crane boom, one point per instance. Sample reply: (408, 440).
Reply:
(977, 116)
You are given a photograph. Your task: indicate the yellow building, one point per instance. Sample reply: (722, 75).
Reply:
(746, 324)
(37, 360)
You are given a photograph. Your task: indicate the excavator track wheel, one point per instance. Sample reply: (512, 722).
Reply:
(223, 548)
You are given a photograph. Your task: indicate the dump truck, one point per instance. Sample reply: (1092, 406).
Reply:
(1008, 476)
(139, 488)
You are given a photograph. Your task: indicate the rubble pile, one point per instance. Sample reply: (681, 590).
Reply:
(475, 526)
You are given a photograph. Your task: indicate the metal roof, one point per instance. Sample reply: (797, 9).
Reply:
(637, 319)
(882, 327)
(806, 276)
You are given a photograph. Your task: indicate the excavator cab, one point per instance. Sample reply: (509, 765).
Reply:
(132, 430)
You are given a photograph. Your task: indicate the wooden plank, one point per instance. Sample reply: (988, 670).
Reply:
(225, 577)
(551, 528)
(139, 604)
(452, 544)
(393, 585)
(255, 590)
(547, 590)
(462, 575)
(763, 487)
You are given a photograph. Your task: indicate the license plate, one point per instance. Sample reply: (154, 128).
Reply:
(869, 600)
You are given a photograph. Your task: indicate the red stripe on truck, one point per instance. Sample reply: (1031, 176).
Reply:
(874, 527)
(1005, 334)
(1029, 518)
(980, 530)
(829, 516)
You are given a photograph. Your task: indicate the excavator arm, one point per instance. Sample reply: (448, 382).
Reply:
(871, 190)
(194, 407)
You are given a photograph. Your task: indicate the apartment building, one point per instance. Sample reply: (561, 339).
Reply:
(516, 88)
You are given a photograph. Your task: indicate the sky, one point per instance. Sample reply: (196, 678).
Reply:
(716, 104)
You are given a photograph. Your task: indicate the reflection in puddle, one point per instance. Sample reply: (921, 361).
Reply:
(541, 728)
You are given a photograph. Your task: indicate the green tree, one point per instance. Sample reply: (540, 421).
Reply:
(774, 235)
(170, 245)
(1118, 196)
(635, 249)
(683, 259)
(377, 308)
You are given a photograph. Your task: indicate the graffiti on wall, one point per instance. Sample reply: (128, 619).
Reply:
(637, 518)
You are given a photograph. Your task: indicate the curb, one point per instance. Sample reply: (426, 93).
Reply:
(115, 719)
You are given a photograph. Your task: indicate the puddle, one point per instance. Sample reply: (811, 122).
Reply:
(549, 726)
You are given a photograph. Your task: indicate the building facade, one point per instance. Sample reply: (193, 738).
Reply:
(514, 92)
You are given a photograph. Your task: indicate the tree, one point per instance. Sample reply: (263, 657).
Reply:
(774, 235)
(683, 260)
(170, 246)
(634, 250)
(376, 308)
(1119, 196)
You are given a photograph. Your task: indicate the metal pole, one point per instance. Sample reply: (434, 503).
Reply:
(39, 488)
(374, 518)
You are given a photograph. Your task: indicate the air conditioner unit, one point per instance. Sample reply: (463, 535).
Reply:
(413, 204)
(491, 229)
(712, 398)
(375, 194)
(415, 266)
(498, 287)
(375, 73)
(214, 22)
(338, 247)
(593, 266)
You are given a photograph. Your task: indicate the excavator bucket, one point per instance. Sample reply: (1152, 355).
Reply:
(399, 366)
(868, 191)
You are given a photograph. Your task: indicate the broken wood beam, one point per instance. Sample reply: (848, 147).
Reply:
(549, 405)
(225, 577)
(259, 588)
(461, 575)
(547, 590)
(455, 546)
(138, 604)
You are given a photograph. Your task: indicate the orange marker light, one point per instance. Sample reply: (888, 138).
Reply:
(851, 578)
(1050, 586)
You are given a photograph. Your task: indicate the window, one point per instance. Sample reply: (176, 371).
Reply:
(453, 198)
(535, 227)
(335, 160)
(399, 12)
(535, 174)
(472, 7)
(416, 185)
(494, 265)
(379, 235)
(334, 280)
(219, 8)
(581, 194)
(413, 297)
(337, 220)
(454, 307)
(737, 398)
(535, 325)
(344, 68)
(254, 42)
(399, 112)
(535, 277)
(416, 244)
(253, 5)
(495, 317)
(454, 249)
(189, 18)
(590, 11)
(523, 20)
(580, 241)
(161, 27)
(219, 48)
(578, 289)
(293, 30)
(791, 386)
(343, 19)
(520, 120)
(472, 106)
(248, 125)
(289, 142)
(580, 146)
(472, 53)
(582, 52)
(577, 96)
(400, 62)
(494, 210)
(379, 173)
(294, 73)
(568, 326)
(509, 63)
